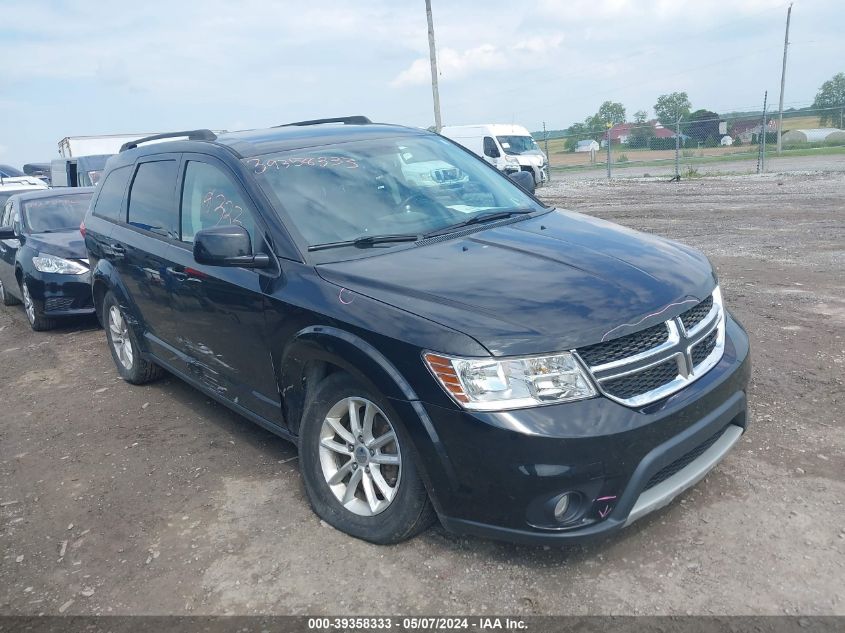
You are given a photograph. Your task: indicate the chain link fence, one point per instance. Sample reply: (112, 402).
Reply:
(811, 140)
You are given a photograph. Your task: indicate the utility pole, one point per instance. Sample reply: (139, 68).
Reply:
(783, 76)
(432, 52)
(678, 149)
(761, 140)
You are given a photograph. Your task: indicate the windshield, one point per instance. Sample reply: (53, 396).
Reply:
(515, 145)
(410, 185)
(62, 213)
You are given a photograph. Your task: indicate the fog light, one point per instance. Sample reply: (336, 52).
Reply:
(561, 507)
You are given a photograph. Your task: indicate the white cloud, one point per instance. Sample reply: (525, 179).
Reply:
(459, 64)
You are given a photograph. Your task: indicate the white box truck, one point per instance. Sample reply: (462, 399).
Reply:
(510, 148)
(73, 146)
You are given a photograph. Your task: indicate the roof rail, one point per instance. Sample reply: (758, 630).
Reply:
(346, 120)
(192, 135)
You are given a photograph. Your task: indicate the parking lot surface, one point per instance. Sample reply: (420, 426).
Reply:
(117, 499)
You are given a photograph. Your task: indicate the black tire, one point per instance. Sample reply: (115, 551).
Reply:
(410, 511)
(140, 371)
(34, 311)
(6, 298)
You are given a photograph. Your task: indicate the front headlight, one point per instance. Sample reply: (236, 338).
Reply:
(52, 264)
(511, 160)
(489, 384)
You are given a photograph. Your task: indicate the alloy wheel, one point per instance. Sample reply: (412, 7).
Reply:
(120, 340)
(28, 303)
(360, 456)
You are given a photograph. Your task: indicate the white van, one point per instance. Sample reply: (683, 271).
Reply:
(510, 148)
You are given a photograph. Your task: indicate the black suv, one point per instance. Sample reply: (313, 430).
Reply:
(435, 340)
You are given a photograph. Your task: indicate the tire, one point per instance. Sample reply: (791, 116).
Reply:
(407, 512)
(34, 311)
(6, 298)
(124, 348)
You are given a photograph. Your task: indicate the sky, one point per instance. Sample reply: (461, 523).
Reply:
(83, 68)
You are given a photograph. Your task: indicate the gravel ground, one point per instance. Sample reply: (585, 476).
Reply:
(154, 500)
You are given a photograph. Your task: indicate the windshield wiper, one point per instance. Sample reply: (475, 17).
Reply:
(367, 241)
(479, 219)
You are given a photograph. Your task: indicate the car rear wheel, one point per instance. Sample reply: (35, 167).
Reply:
(6, 298)
(124, 347)
(34, 313)
(358, 465)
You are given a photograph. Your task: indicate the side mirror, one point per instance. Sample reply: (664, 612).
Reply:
(524, 179)
(227, 246)
(7, 233)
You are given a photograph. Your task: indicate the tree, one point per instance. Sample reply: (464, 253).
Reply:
(610, 112)
(641, 132)
(701, 125)
(669, 108)
(832, 97)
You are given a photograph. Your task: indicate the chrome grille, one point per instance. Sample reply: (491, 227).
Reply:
(646, 366)
(625, 346)
(642, 381)
(694, 316)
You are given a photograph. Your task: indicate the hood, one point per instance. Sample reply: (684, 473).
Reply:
(531, 158)
(549, 283)
(68, 244)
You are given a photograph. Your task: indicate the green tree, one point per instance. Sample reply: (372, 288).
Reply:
(702, 125)
(641, 132)
(610, 112)
(669, 108)
(832, 97)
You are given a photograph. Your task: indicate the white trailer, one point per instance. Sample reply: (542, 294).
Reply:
(74, 146)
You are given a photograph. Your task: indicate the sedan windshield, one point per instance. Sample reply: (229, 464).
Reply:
(516, 145)
(401, 187)
(62, 213)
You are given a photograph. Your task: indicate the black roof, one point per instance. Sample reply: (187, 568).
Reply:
(52, 193)
(247, 143)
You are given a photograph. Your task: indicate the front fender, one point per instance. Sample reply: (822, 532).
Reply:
(325, 344)
(105, 278)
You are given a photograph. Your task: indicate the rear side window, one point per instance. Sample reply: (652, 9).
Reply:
(151, 200)
(210, 198)
(490, 148)
(110, 201)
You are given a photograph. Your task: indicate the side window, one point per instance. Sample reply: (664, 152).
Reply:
(151, 203)
(490, 148)
(6, 215)
(210, 198)
(110, 198)
(15, 218)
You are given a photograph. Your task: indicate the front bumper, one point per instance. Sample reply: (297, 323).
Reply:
(499, 474)
(61, 295)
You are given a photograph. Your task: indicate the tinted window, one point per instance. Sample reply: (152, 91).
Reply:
(490, 148)
(151, 204)
(61, 213)
(211, 198)
(7, 171)
(110, 198)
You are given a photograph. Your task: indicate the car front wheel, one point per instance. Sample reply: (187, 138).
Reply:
(34, 313)
(358, 465)
(124, 347)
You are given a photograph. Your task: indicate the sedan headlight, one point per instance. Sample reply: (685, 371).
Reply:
(52, 264)
(489, 384)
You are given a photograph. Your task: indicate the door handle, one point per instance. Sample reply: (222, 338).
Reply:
(118, 250)
(178, 276)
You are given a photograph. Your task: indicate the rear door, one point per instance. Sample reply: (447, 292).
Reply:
(139, 248)
(8, 251)
(218, 320)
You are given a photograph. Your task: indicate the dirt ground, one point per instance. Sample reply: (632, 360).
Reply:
(154, 500)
